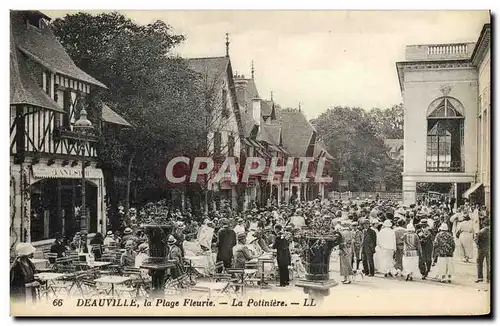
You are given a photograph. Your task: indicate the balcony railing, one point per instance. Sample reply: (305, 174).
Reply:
(445, 166)
(444, 49)
(65, 133)
(425, 52)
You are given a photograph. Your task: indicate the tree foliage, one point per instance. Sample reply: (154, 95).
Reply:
(147, 85)
(355, 138)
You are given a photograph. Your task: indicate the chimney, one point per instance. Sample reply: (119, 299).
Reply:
(256, 110)
(240, 84)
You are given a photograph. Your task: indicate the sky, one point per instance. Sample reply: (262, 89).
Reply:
(319, 59)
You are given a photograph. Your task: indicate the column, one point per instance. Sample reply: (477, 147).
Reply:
(487, 197)
(409, 191)
(15, 205)
(101, 208)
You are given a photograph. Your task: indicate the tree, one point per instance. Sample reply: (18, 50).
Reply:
(146, 85)
(355, 139)
(389, 122)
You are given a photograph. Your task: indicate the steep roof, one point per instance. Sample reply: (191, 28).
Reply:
(111, 116)
(23, 88)
(297, 131)
(252, 89)
(41, 45)
(320, 150)
(212, 68)
(269, 133)
(248, 123)
(266, 108)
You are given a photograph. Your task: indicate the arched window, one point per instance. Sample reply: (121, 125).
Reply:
(445, 107)
(445, 135)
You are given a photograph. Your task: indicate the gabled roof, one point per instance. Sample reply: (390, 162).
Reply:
(297, 131)
(211, 68)
(23, 88)
(320, 150)
(111, 116)
(41, 45)
(269, 133)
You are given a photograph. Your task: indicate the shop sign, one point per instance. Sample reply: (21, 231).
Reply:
(43, 172)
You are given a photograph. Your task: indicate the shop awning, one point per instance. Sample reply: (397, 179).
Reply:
(471, 190)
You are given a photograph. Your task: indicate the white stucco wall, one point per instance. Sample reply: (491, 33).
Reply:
(421, 87)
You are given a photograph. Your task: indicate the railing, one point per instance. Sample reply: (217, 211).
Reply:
(444, 49)
(60, 133)
(397, 196)
(445, 166)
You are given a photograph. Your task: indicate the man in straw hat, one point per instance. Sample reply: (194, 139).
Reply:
(241, 252)
(368, 244)
(175, 255)
(444, 246)
(127, 259)
(22, 274)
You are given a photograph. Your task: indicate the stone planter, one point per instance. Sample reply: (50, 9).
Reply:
(157, 239)
(317, 257)
(317, 283)
(158, 251)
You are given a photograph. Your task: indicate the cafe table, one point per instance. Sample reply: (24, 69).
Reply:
(49, 277)
(112, 279)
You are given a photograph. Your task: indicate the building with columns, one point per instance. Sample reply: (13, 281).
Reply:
(446, 95)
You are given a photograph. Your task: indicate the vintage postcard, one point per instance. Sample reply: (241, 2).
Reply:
(250, 163)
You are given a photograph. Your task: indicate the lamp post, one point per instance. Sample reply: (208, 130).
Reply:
(83, 125)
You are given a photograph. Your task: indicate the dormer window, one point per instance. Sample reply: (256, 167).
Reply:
(36, 21)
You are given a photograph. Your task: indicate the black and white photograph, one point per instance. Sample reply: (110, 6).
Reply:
(250, 163)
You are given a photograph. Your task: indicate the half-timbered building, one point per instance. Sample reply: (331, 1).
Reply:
(47, 93)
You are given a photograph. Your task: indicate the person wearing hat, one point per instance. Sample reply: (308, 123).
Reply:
(483, 250)
(283, 256)
(109, 240)
(241, 252)
(357, 230)
(140, 258)
(368, 244)
(444, 246)
(345, 251)
(179, 235)
(426, 242)
(464, 233)
(22, 274)
(175, 255)
(97, 245)
(127, 258)
(386, 241)
(128, 235)
(58, 247)
(399, 232)
(412, 250)
(226, 240)
(240, 225)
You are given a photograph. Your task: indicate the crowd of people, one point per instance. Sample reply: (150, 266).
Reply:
(376, 236)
